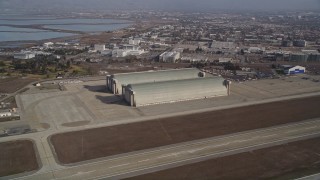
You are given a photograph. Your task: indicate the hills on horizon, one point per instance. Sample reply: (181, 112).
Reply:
(169, 5)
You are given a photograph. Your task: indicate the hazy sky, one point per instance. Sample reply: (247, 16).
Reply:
(196, 5)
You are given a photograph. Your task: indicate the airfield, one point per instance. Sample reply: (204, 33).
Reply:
(81, 131)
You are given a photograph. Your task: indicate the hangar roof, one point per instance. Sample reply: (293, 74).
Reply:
(148, 93)
(156, 76)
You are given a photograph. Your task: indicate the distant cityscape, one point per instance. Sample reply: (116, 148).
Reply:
(159, 94)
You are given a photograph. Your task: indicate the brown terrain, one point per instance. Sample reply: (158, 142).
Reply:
(287, 161)
(108, 141)
(11, 85)
(17, 157)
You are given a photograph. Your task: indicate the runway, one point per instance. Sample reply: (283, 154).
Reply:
(151, 160)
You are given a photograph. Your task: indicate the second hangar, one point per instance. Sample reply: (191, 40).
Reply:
(166, 86)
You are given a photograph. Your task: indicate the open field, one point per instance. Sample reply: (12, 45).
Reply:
(89, 144)
(17, 157)
(11, 85)
(283, 162)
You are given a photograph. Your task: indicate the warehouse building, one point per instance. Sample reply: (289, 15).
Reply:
(99, 47)
(307, 56)
(298, 57)
(117, 82)
(24, 55)
(169, 57)
(174, 91)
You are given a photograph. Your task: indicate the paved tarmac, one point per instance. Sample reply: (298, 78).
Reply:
(99, 168)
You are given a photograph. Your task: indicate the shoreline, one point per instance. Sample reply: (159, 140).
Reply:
(77, 35)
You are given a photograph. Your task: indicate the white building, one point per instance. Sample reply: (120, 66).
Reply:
(5, 114)
(134, 41)
(256, 50)
(106, 52)
(130, 47)
(124, 52)
(48, 44)
(24, 55)
(225, 60)
(290, 70)
(135, 52)
(119, 53)
(99, 47)
(223, 45)
(169, 57)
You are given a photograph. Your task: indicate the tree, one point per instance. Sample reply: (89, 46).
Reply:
(2, 64)
(2, 70)
(199, 49)
(68, 64)
(242, 52)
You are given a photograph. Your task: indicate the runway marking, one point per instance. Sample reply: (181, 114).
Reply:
(196, 150)
(144, 160)
(80, 173)
(239, 141)
(315, 127)
(119, 165)
(292, 131)
(224, 144)
(271, 135)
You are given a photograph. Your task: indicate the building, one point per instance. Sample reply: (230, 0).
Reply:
(307, 56)
(48, 44)
(24, 55)
(170, 57)
(300, 43)
(130, 47)
(126, 52)
(119, 53)
(134, 41)
(174, 91)
(116, 83)
(99, 47)
(298, 57)
(192, 58)
(290, 70)
(106, 52)
(287, 43)
(314, 57)
(225, 60)
(256, 50)
(5, 114)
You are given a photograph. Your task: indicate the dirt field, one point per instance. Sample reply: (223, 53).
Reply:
(11, 85)
(280, 162)
(17, 157)
(125, 138)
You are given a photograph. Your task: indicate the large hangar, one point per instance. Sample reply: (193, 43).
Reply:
(117, 82)
(174, 91)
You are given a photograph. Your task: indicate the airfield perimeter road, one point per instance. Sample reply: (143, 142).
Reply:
(151, 160)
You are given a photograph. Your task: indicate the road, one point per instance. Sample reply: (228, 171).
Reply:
(151, 160)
